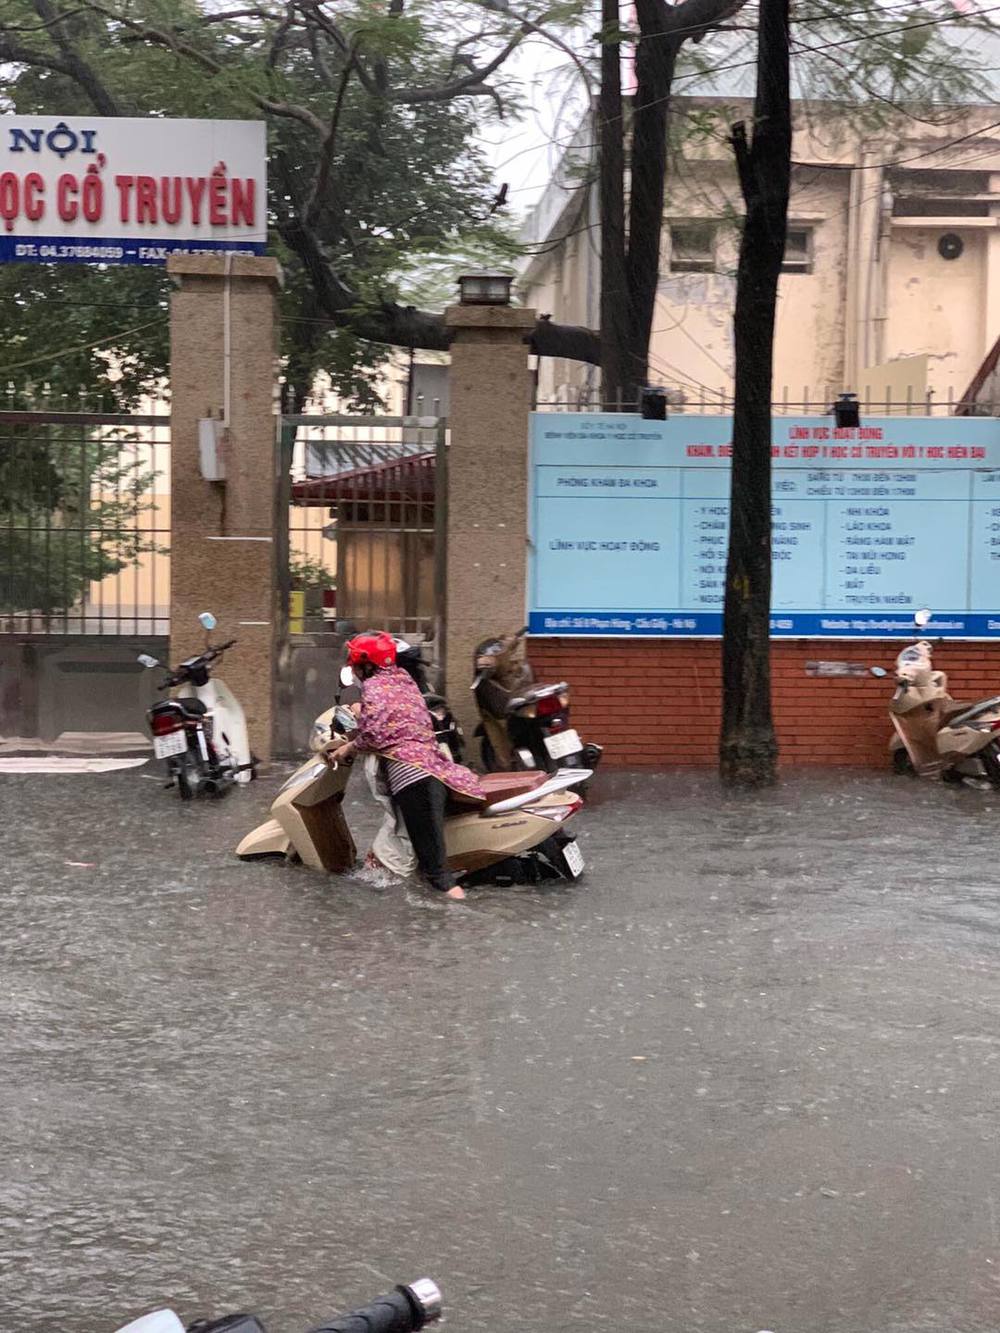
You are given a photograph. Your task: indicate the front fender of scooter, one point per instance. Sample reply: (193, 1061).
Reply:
(268, 839)
(309, 808)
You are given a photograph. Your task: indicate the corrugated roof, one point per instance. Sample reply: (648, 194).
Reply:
(409, 480)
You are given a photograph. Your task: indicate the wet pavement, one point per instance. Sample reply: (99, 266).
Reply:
(745, 1075)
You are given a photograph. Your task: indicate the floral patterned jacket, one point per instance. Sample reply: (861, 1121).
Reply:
(395, 723)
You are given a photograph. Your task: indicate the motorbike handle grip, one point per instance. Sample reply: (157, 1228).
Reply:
(401, 1311)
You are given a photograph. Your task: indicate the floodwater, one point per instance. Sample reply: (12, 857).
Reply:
(742, 1076)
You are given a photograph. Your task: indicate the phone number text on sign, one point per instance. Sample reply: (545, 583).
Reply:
(103, 190)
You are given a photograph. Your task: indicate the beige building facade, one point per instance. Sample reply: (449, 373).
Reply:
(891, 286)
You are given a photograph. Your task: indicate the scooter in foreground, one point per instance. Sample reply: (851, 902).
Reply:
(518, 837)
(201, 730)
(404, 1310)
(524, 725)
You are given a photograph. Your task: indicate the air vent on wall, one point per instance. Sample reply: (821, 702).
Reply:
(950, 246)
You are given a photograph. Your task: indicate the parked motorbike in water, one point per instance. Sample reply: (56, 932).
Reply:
(935, 737)
(403, 1310)
(518, 836)
(201, 730)
(524, 725)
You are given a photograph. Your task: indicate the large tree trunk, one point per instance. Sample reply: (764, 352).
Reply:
(748, 749)
(611, 198)
(656, 56)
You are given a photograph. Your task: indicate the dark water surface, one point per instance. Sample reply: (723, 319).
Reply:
(743, 1076)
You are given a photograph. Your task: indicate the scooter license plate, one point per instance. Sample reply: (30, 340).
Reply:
(563, 743)
(574, 859)
(164, 747)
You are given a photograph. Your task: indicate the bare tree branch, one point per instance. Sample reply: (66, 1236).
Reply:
(44, 27)
(312, 10)
(321, 182)
(532, 25)
(403, 326)
(14, 53)
(76, 67)
(253, 12)
(280, 39)
(470, 84)
(694, 17)
(158, 37)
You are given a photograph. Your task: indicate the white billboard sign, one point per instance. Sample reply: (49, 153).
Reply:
(95, 190)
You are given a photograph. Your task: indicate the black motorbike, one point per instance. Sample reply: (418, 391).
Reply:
(447, 732)
(523, 724)
(403, 1310)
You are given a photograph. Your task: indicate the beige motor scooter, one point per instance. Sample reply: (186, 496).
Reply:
(517, 836)
(940, 738)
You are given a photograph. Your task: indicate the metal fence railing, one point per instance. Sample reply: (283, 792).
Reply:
(800, 402)
(84, 523)
(367, 510)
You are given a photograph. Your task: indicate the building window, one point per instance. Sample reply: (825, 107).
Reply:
(798, 250)
(692, 248)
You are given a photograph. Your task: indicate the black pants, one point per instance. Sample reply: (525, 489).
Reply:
(422, 807)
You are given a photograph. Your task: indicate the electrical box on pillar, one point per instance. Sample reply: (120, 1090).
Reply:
(212, 435)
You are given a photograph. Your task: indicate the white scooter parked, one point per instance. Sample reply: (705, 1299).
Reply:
(201, 730)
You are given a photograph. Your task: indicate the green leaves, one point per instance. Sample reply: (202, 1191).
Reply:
(407, 184)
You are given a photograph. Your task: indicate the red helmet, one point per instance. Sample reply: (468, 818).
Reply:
(374, 647)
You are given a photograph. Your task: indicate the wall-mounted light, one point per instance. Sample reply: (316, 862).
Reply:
(846, 411)
(653, 403)
(484, 288)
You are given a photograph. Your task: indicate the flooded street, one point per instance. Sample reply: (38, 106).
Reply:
(744, 1075)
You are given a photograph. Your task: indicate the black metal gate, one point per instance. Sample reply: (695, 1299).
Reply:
(84, 567)
(367, 514)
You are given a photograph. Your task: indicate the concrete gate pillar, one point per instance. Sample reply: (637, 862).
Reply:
(490, 398)
(223, 362)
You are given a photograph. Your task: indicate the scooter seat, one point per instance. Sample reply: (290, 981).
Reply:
(193, 707)
(504, 786)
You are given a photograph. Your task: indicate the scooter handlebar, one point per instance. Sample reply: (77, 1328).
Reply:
(179, 676)
(401, 1311)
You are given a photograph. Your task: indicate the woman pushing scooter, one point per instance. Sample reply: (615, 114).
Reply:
(395, 724)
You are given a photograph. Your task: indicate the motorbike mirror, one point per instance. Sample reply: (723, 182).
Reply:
(879, 671)
(345, 720)
(922, 618)
(147, 661)
(347, 676)
(207, 620)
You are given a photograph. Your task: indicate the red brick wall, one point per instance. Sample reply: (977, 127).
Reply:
(656, 701)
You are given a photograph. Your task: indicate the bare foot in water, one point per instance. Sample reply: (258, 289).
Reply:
(458, 893)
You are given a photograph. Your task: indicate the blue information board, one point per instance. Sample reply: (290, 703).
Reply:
(629, 526)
